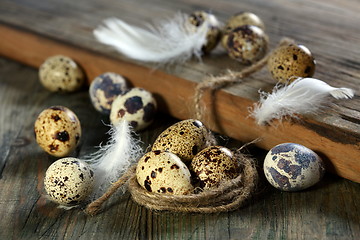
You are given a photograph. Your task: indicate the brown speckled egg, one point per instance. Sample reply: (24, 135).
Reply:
(291, 61)
(61, 74)
(163, 172)
(238, 20)
(247, 44)
(57, 131)
(213, 35)
(68, 181)
(137, 106)
(185, 139)
(104, 89)
(213, 165)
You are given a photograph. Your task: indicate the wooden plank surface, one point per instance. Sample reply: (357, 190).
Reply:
(34, 30)
(328, 210)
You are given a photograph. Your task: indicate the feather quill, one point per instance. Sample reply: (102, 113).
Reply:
(169, 41)
(302, 96)
(114, 158)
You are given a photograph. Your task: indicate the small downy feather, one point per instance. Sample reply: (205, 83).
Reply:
(114, 158)
(302, 96)
(169, 41)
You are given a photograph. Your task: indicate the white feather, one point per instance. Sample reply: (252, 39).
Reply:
(303, 96)
(113, 159)
(171, 40)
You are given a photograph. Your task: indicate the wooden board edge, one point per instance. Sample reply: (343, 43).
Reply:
(226, 113)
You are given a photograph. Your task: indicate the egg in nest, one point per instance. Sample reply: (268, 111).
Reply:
(163, 172)
(185, 139)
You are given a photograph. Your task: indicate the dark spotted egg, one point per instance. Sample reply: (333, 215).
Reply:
(293, 167)
(68, 181)
(185, 139)
(213, 165)
(104, 89)
(246, 44)
(61, 74)
(163, 172)
(289, 62)
(238, 20)
(197, 19)
(57, 131)
(137, 106)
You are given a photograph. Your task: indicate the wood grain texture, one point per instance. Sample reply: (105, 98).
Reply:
(328, 210)
(328, 28)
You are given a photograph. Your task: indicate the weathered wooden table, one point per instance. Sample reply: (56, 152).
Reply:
(33, 30)
(329, 210)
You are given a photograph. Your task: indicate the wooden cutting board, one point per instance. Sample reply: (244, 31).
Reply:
(31, 31)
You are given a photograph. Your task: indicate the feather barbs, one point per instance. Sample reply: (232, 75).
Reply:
(302, 96)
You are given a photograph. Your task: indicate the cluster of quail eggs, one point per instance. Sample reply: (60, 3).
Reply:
(180, 161)
(69, 181)
(111, 95)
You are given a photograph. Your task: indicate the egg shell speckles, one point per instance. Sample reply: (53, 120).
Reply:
(246, 44)
(163, 172)
(213, 165)
(291, 61)
(213, 34)
(68, 181)
(104, 89)
(185, 139)
(137, 106)
(61, 74)
(238, 20)
(57, 131)
(293, 167)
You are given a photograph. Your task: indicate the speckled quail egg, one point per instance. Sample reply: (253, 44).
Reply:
(137, 106)
(293, 167)
(213, 165)
(61, 74)
(185, 139)
(57, 131)
(247, 44)
(291, 61)
(213, 34)
(68, 181)
(163, 172)
(238, 20)
(104, 89)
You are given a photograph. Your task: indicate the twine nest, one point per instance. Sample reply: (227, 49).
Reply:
(229, 196)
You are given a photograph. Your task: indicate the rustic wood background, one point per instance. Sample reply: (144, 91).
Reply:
(34, 30)
(30, 31)
(329, 210)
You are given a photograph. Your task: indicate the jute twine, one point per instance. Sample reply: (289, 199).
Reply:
(230, 195)
(230, 77)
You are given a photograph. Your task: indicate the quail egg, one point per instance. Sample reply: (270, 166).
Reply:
(247, 44)
(185, 139)
(213, 165)
(137, 106)
(238, 20)
(163, 172)
(68, 181)
(293, 167)
(213, 34)
(57, 131)
(104, 89)
(61, 74)
(290, 62)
